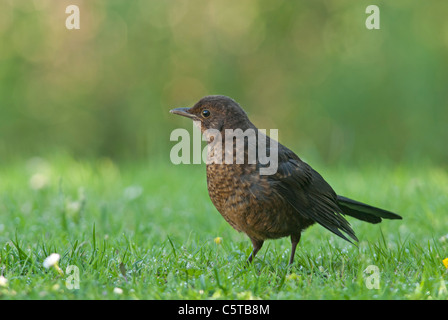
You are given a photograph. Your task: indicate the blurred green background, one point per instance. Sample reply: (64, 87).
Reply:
(335, 90)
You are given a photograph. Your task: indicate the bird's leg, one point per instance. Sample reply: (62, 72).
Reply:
(295, 238)
(257, 244)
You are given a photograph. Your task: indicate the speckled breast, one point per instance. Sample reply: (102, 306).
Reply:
(248, 203)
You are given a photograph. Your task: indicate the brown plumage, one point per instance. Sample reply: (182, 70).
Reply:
(275, 205)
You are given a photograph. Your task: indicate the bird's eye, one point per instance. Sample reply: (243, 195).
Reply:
(205, 113)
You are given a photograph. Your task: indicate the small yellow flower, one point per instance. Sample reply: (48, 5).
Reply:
(218, 240)
(445, 262)
(292, 277)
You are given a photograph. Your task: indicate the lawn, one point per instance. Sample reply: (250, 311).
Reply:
(148, 231)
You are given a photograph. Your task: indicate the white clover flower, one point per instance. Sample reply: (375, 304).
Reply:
(3, 281)
(38, 181)
(133, 192)
(51, 260)
(73, 206)
(118, 291)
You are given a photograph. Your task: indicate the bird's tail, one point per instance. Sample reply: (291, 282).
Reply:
(363, 211)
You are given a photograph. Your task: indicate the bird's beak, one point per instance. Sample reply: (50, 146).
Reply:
(183, 112)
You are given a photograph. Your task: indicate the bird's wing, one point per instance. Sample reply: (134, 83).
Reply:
(309, 194)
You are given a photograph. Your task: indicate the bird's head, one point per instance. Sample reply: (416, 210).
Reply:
(216, 112)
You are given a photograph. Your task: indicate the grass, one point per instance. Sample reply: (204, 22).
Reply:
(149, 230)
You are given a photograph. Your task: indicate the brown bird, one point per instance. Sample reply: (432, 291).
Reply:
(268, 206)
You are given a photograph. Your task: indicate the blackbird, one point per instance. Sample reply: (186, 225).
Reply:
(269, 206)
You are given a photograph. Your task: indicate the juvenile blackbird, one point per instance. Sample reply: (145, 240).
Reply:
(270, 206)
